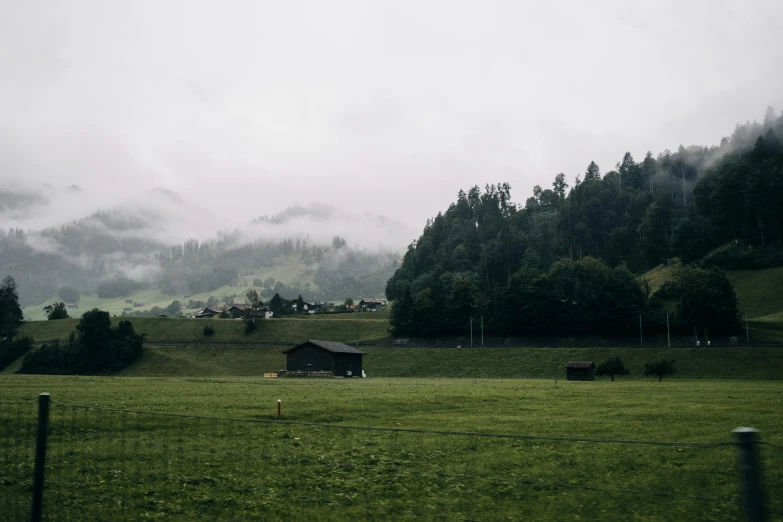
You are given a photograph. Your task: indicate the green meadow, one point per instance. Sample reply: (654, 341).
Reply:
(111, 465)
(338, 327)
(509, 363)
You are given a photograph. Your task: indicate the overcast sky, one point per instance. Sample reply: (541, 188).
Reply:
(246, 107)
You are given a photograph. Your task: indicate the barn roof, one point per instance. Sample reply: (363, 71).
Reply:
(579, 364)
(329, 346)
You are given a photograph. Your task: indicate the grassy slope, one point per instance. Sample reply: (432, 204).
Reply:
(175, 468)
(692, 363)
(758, 292)
(333, 328)
(657, 276)
(288, 269)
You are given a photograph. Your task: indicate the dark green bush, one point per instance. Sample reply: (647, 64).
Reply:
(98, 348)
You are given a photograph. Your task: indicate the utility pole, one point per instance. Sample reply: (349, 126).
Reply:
(471, 332)
(668, 335)
(357, 331)
(482, 330)
(641, 337)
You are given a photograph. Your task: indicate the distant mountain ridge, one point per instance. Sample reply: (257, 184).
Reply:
(147, 240)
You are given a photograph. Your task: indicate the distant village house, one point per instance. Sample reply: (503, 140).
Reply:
(240, 311)
(372, 305)
(207, 313)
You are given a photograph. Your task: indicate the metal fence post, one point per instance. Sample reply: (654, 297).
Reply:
(747, 440)
(40, 456)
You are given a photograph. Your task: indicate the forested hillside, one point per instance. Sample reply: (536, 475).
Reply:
(565, 260)
(112, 254)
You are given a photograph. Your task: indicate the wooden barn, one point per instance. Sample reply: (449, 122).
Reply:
(580, 371)
(324, 356)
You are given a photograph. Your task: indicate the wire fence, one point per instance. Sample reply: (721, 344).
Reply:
(113, 464)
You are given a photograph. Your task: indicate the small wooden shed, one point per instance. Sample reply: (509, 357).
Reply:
(324, 356)
(580, 371)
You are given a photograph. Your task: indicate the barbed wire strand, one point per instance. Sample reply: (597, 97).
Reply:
(411, 430)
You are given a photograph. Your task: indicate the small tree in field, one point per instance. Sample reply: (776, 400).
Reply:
(56, 311)
(611, 367)
(660, 368)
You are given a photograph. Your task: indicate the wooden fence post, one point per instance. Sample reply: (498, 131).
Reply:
(747, 440)
(40, 456)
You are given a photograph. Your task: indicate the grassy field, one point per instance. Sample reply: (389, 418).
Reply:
(503, 363)
(131, 466)
(331, 327)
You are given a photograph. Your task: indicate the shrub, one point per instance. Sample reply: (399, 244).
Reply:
(208, 330)
(611, 367)
(56, 311)
(660, 368)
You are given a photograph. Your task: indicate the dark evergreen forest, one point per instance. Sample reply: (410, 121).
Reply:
(566, 260)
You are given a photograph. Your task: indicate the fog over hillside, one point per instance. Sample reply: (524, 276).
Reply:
(159, 240)
(166, 217)
(387, 108)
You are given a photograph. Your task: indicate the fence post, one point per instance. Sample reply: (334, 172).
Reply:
(747, 440)
(40, 456)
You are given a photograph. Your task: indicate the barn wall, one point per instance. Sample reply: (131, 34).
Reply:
(579, 374)
(320, 360)
(348, 362)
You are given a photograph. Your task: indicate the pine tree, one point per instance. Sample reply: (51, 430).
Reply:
(10, 312)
